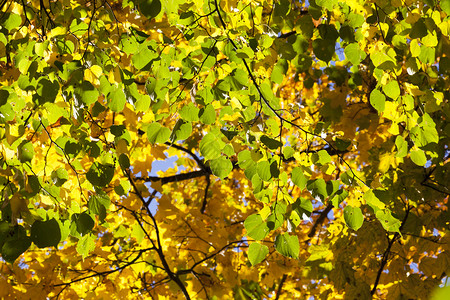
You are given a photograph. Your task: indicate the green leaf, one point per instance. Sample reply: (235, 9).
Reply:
(190, 113)
(342, 144)
(298, 178)
(11, 21)
(270, 143)
(157, 134)
(256, 228)
(4, 232)
(391, 90)
(208, 115)
(100, 175)
(87, 93)
(389, 222)
(181, 131)
(377, 100)
(257, 253)
(46, 233)
(445, 6)
(338, 197)
(59, 176)
(418, 29)
(26, 151)
(440, 293)
(318, 188)
(418, 157)
(276, 218)
(47, 90)
(263, 170)
(128, 44)
(402, 146)
(14, 247)
(221, 167)
(323, 49)
(98, 204)
(353, 217)
(116, 99)
(86, 245)
(143, 56)
(354, 54)
(384, 59)
(303, 207)
(210, 146)
(427, 55)
(149, 8)
(287, 245)
(84, 222)
(322, 157)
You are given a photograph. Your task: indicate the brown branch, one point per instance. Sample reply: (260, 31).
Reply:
(387, 252)
(208, 183)
(280, 286)
(173, 276)
(102, 273)
(175, 178)
(320, 219)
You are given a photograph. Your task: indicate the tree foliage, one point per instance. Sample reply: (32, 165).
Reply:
(305, 147)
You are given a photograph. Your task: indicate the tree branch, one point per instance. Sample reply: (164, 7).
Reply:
(280, 286)
(385, 258)
(320, 219)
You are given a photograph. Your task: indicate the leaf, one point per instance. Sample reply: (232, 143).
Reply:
(87, 93)
(389, 222)
(11, 21)
(256, 228)
(26, 151)
(157, 134)
(143, 56)
(84, 223)
(391, 90)
(116, 99)
(287, 245)
(318, 188)
(402, 146)
(298, 178)
(303, 208)
(441, 293)
(181, 131)
(221, 167)
(46, 233)
(257, 253)
(270, 143)
(149, 8)
(190, 113)
(322, 157)
(100, 175)
(377, 100)
(338, 197)
(59, 176)
(86, 245)
(323, 49)
(98, 205)
(263, 170)
(14, 247)
(207, 114)
(418, 157)
(354, 54)
(211, 146)
(353, 217)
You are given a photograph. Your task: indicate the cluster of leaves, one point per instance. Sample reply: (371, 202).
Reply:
(310, 141)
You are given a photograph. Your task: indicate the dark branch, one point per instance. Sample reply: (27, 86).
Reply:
(280, 286)
(320, 219)
(177, 177)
